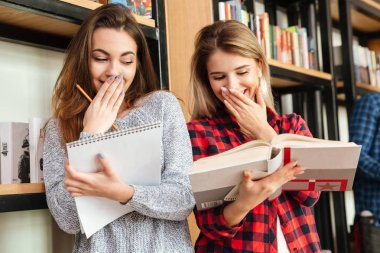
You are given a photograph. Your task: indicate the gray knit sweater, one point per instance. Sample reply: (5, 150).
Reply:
(158, 223)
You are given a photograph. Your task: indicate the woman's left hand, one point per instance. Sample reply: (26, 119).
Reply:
(104, 183)
(251, 116)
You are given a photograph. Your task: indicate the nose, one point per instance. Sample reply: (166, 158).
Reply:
(232, 82)
(113, 68)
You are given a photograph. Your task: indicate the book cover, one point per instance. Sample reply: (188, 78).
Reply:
(15, 165)
(134, 153)
(329, 166)
(36, 146)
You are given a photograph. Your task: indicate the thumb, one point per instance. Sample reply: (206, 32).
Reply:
(247, 175)
(104, 164)
(259, 97)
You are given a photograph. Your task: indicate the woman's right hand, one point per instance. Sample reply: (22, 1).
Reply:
(252, 193)
(102, 112)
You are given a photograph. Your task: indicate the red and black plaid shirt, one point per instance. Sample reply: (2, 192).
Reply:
(257, 232)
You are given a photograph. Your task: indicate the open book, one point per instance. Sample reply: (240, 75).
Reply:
(329, 166)
(134, 153)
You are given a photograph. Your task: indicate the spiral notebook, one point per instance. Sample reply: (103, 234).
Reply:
(133, 152)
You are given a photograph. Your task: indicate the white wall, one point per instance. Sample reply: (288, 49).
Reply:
(27, 76)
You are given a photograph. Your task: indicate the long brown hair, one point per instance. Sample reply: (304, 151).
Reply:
(69, 106)
(228, 36)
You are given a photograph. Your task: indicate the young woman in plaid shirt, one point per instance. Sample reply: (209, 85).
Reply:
(232, 105)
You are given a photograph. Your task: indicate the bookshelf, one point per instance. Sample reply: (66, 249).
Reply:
(50, 25)
(359, 18)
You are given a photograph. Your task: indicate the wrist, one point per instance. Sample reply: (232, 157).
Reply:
(126, 194)
(243, 205)
(267, 133)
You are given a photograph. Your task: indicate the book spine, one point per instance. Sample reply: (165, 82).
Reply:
(222, 10)
(6, 153)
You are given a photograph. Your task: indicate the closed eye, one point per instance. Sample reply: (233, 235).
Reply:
(242, 73)
(217, 77)
(127, 62)
(100, 59)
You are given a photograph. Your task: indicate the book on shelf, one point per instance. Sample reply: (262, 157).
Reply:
(134, 153)
(329, 166)
(15, 163)
(36, 146)
(139, 7)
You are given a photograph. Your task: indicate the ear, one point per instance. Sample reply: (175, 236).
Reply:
(260, 69)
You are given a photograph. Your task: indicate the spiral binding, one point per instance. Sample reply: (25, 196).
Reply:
(114, 134)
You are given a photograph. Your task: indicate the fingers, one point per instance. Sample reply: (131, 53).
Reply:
(294, 168)
(73, 179)
(259, 98)
(103, 89)
(229, 98)
(118, 102)
(114, 97)
(113, 91)
(236, 98)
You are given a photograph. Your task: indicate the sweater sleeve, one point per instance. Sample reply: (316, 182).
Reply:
(60, 203)
(173, 198)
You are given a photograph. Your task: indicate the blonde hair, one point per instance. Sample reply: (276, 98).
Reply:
(228, 36)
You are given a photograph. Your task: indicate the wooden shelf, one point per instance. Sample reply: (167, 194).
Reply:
(301, 70)
(364, 15)
(364, 87)
(288, 75)
(21, 197)
(12, 189)
(93, 5)
(36, 22)
(51, 24)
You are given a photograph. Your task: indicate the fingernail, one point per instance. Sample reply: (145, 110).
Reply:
(224, 90)
(111, 78)
(101, 156)
(120, 77)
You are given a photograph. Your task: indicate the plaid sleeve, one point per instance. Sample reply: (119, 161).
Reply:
(364, 123)
(305, 198)
(212, 224)
(295, 124)
(198, 141)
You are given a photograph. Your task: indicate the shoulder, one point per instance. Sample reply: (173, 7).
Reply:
(159, 102)
(160, 97)
(51, 126)
(292, 123)
(369, 101)
(199, 124)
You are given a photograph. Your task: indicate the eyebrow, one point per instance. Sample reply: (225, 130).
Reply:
(238, 68)
(106, 53)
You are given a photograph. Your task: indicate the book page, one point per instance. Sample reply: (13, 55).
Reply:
(294, 140)
(229, 159)
(134, 155)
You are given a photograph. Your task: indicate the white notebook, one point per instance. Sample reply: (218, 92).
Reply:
(133, 152)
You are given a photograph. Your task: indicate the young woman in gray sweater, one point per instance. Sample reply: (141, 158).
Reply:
(110, 59)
